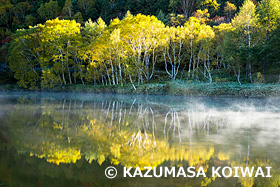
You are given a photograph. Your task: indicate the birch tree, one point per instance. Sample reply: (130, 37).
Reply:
(58, 39)
(173, 50)
(246, 24)
(269, 18)
(143, 35)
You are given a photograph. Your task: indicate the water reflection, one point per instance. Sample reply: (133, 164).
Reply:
(72, 133)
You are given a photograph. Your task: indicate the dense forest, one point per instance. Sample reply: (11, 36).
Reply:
(108, 42)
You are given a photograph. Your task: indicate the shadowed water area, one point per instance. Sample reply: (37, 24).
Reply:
(65, 139)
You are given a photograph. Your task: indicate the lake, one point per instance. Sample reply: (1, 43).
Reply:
(70, 139)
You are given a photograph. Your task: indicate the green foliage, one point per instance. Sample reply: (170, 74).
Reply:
(259, 78)
(162, 17)
(67, 10)
(49, 10)
(269, 14)
(78, 17)
(87, 8)
(24, 57)
(121, 48)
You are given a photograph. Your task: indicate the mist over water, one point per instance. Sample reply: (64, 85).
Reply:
(74, 137)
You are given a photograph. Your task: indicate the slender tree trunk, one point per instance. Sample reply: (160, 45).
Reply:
(120, 74)
(69, 74)
(113, 76)
(190, 61)
(63, 77)
(249, 47)
(102, 80)
(60, 79)
(132, 82)
(108, 75)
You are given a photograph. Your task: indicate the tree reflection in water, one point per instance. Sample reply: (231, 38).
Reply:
(142, 132)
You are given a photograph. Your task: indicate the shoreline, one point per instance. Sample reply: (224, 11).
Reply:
(176, 88)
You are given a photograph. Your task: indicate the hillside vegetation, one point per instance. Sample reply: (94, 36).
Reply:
(154, 42)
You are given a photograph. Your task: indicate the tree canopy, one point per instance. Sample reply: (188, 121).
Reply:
(201, 44)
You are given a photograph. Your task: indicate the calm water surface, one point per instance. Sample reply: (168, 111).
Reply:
(63, 139)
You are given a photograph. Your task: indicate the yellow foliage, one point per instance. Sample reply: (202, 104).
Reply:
(56, 154)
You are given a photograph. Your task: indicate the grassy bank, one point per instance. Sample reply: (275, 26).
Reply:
(170, 88)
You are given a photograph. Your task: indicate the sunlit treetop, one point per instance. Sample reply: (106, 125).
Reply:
(202, 15)
(269, 14)
(246, 16)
